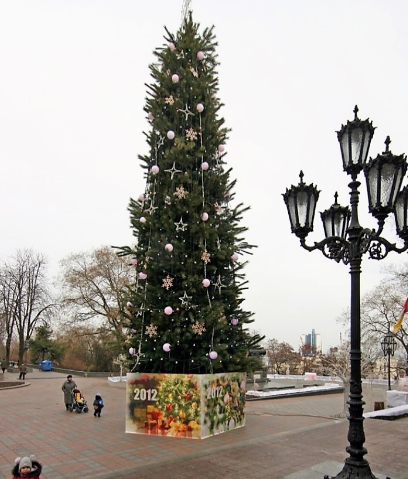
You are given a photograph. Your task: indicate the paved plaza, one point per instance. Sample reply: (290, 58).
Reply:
(285, 438)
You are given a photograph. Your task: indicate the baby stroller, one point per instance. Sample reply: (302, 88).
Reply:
(79, 403)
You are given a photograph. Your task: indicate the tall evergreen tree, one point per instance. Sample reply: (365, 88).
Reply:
(184, 310)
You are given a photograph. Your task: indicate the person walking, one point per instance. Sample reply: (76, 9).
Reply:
(67, 388)
(23, 371)
(3, 365)
(98, 405)
(27, 467)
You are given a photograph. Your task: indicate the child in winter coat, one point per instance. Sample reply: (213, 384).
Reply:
(26, 467)
(98, 405)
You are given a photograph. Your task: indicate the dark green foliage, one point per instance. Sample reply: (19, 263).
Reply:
(170, 212)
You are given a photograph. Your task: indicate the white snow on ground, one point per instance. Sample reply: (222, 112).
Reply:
(294, 391)
(396, 411)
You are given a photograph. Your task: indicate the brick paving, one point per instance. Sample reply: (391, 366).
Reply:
(285, 438)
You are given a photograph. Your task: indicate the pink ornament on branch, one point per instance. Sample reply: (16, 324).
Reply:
(204, 166)
(221, 148)
(170, 134)
(142, 219)
(234, 321)
(129, 304)
(169, 247)
(155, 169)
(200, 108)
(150, 116)
(213, 355)
(200, 55)
(133, 261)
(142, 275)
(172, 47)
(168, 310)
(141, 197)
(234, 257)
(132, 351)
(206, 282)
(204, 216)
(166, 347)
(175, 78)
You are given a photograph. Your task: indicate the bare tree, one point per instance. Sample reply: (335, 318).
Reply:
(92, 287)
(281, 357)
(25, 298)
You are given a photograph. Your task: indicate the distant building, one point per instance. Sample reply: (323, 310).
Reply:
(311, 343)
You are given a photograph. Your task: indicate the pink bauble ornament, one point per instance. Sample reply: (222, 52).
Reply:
(133, 261)
(213, 355)
(166, 347)
(221, 148)
(234, 257)
(234, 321)
(204, 166)
(142, 219)
(200, 107)
(129, 304)
(206, 283)
(170, 134)
(172, 47)
(168, 310)
(155, 169)
(132, 351)
(169, 247)
(200, 55)
(150, 116)
(204, 216)
(142, 275)
(175, 78)
(141, 197)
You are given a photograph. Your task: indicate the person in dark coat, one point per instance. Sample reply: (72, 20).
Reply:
(26, 467)
(98, 405)
(67, 388)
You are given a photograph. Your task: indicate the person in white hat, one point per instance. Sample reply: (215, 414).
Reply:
(26, 467)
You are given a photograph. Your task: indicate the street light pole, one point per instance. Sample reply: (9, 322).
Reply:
(388, 345)
(347, 241)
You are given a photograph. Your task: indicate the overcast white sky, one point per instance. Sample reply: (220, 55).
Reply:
(71, 126)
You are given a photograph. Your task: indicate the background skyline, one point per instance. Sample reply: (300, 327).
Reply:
(71, 126)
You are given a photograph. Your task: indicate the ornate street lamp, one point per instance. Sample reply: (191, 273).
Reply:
(347, 241)
(388, 345)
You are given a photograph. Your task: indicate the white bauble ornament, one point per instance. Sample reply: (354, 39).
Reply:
(170, 134)
(155, 169)
(213, 355)
(175, 78)
(142, 219)
(200, 107)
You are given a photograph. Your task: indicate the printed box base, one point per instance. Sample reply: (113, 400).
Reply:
(185, 405)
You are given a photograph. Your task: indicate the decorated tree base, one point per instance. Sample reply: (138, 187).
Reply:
(185, 405)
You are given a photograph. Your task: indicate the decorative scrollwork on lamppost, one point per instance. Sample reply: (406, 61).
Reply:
(347, 241)
(388, 345)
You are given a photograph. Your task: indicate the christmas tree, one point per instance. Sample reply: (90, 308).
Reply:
(184, 311)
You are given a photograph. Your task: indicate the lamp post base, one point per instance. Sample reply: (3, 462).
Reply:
(352, 470)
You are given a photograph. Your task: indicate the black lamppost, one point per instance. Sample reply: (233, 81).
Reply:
(388, 345)
(347, 241)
